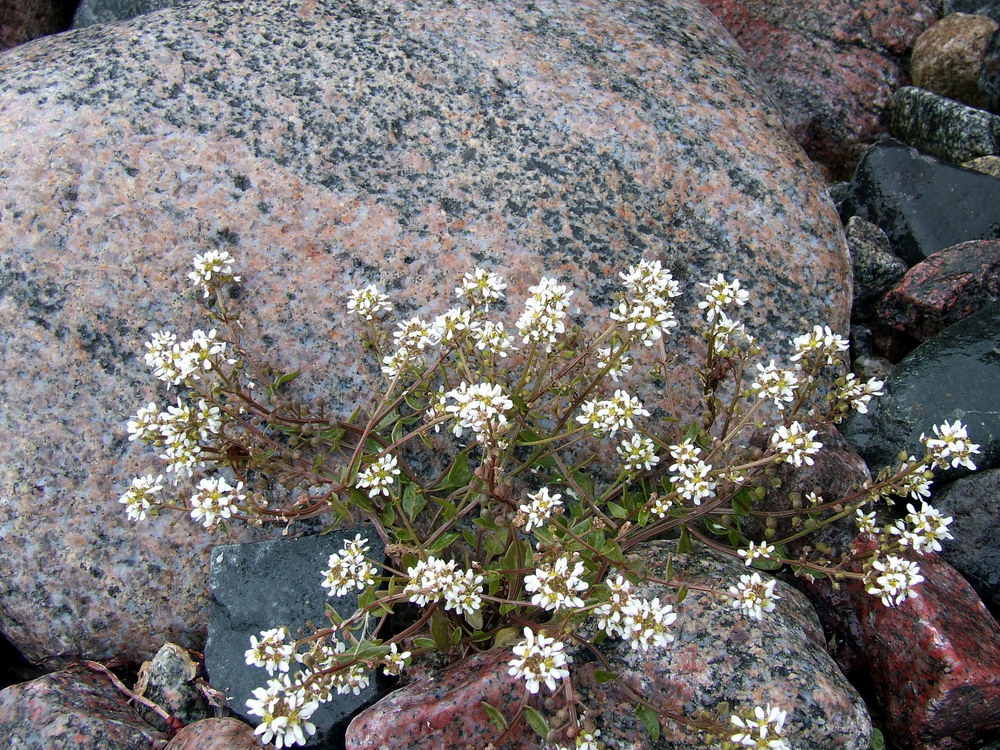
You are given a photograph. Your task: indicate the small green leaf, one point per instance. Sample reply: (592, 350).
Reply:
(423, 643)
(288, 377)
(601, 676)
(496, 717)
(456, 635)
(764, 564)
(877, 741)
(443, 542)
(650, 719)
(536, 721)
(439, 631)
(519, 402)
(684, 543)
(475, 619)
(682, 593)
(617, 511)
(413, 501)
(362, 500)
(459, 474)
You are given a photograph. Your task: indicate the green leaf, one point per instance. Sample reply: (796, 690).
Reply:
(617, 511)
(413, 501)
(650, 719)
(475, 619)
(537, 722)
(443, 542)
(439, 631)
(764, 564)
(601, 676)
(682, 593)
(288, 377)
(643, 518)
(877, 741)
(496, 717)
(413, 402)
(361, 499)
(459, 474)
(456, 635)
(519, 402)
(423, 643)
(715, 528)
(684, 543)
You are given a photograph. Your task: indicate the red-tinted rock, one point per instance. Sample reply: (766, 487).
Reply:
(948, 286)
(76, 709)
(832, 64)
(214, 734)
(24, 20)
(934, 660)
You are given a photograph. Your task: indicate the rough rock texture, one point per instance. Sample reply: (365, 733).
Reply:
(876, 268)
(214, 734)
(717, 655)
(168, 681)
(75, 709)
(975, 551)
(989, 8)
(948, 56)
(24, 20)
(267, 585)
(950, 285)
(935, 659)
(90, 12)
(922, 204)
(986, 164)
(943, 127)
(327, 146)
(833, 64)
(952, 376)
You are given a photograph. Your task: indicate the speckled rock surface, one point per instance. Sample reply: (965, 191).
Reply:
(75, 709)
(975, 551)
(948, 56)
(989, 8)
(951, 376)
(923, 204)
(943, 127)
(330, 145)
(989, 75)
(90, 12)
(876, 268)
(214, 734)
(168, 681)
(717, 655)
(24, 20)
(833, 64)
(950, 285)
(268, 585)
(935, 660)
(986, 164)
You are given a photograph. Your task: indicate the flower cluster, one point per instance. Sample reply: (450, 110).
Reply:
(638, 453)
(922, 530)
(608, 416)
(541, 508)
(795, 444)
(368, 302)
(775, 383)
(754, 595)
(821, 345)
(544, 316)
(284, 713)
(892, 579)
(721, 295)
(212, 269)
(215, 499)
(644, 622)
(433, 579)
(174, 361)
(556, 587)
(950, 446)
(647, 311)
(691, 477)
(539, 659)
(760, 729)
(481, 408)
(481, 288)
(348, 569)
(379, 476)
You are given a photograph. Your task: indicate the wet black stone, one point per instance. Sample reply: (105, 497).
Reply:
(266, 585)
(922, 204)
(952, 376)
(975, 551)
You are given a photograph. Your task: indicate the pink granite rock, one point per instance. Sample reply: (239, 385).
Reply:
(327, 146)
(832, 64)
(949, 285)
(718, 655)
(76, 709)
(214, 734)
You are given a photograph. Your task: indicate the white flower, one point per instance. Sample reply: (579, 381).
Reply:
(493, 338)
(610, 614)
(650, 284)
(661, 506)
(481, 287)
(822, 343)
(722, 294)
(145, 425)
(695, 483)
(400, 362)
(479, 407)
(139, 498)
(348, 569)
(646, 322)
(541, 507)
(394, 661)
(623, 365)
(645, 622)
(950, 446)
(414, 335)
(756, 551)
(544, 313)
(857, 394)
(617, 413)
(638, 453)
(378, 477)
(922, 529)
(866, 522)
(449, 327)
(754, 595)
(215, 500)
(270, 650)
(761, 729)
(214, 265)
(795, 444)
(433, 579)
(285, 713)
(774, 383)
(892, 579)
(368, 302)
(557, 587)
(538, 659)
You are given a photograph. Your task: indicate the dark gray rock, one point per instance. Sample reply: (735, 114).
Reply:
(943, 127)
(989, 8)
(168, 681)
(876, 267)
(90, 12)
(922, 204)
(75, 709)
(975, 550)
(952, 376)
(267, 585)
(989, 76)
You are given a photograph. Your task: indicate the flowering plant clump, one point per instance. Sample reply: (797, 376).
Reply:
(519, 542)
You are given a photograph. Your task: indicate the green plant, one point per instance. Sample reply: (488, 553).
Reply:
(524, 534)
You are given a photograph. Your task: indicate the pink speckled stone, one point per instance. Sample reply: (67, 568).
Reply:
(328, 145)
(718, 655)
(833, 64)
(214, 734)
(75, 709)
